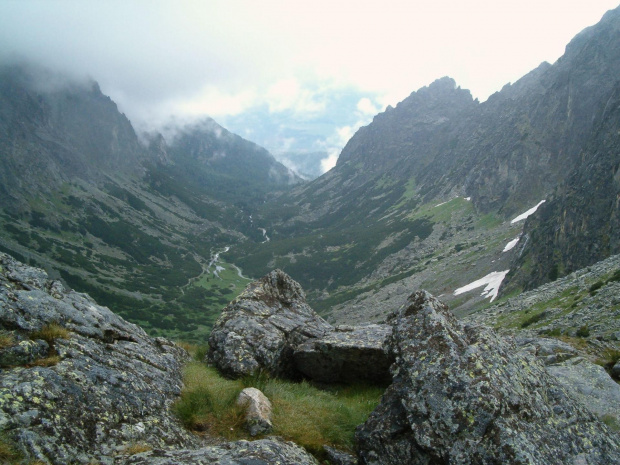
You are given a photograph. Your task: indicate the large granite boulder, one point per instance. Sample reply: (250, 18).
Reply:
(263, 452)
(260, 329)
(347, 354)
(97, 387)
(464, 395)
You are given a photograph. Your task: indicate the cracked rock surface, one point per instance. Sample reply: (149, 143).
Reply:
(260, 329)
(108, 387)
(263, 452)
(463, 395)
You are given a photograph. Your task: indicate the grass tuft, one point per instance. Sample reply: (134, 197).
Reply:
(608, 359)
(302, 413)
(46, 362)
(612, 422)
(50, 332)
(196, 351)
(136, 448)
(7, 339)
(208, 402)
(8, 452)
(534, 319)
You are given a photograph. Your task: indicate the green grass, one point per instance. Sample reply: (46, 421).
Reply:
(302, 413)
(8, 452)
(612, 422)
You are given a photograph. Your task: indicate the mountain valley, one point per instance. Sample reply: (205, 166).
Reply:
(167, 230)
(448, 293)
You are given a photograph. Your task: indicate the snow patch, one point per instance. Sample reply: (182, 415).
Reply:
(531, 211)
(468, 199)
(511, 245)
(492, 281)
(450, 200)
(265, 236)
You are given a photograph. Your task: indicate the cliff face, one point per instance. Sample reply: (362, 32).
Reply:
(505, 153)
(580, 225)
(54, 130)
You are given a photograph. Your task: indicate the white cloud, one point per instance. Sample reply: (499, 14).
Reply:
(288, 94)
(366, 107)
(330, 161)
(158, 57)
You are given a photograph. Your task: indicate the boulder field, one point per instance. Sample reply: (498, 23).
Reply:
(78, 384)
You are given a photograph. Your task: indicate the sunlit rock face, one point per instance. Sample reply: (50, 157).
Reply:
(462, 395)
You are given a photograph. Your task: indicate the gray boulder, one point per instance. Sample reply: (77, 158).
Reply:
(591, 384)
(108, 386)
(347, 354)
(262, 452)
(338, 457)
(584, 380)
(463, 395)
(549, 351)
(261, 328)
(258, 411)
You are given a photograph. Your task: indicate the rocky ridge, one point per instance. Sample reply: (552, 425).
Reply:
(585, 300)
(552, 132)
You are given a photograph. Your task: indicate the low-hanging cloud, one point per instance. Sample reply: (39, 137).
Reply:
(190, 58)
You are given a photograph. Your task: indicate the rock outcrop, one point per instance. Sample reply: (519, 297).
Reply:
(462, 395)
(347, 354)
(100, 386)
(261, 328)
(96, 388)
(269, 327)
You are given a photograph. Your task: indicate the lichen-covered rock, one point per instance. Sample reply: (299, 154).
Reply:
(463, 395)
(338, 457)
(109, 385)
(262, 452)
(591, 384)
(257, 411)
(347, 354)
(549, 351)
(23, 352)
(584, 380)
(260, 329)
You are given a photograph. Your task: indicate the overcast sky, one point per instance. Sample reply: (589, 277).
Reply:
(225, 58)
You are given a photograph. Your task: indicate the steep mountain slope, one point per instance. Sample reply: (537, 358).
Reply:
(139, 227)
(580, 225)
(424, 195)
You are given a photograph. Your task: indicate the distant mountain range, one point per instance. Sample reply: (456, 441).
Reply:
(135, 223)
(391, 215)
(431, 194)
